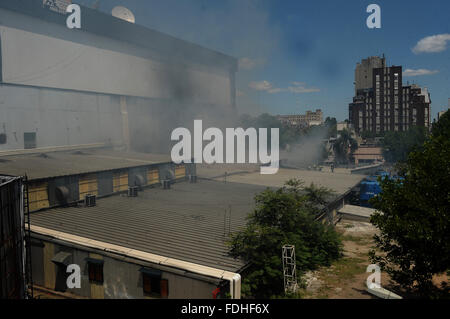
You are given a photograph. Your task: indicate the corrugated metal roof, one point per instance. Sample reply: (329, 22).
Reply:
(186, 222)
(52, 164)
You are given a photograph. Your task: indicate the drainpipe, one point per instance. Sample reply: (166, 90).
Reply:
(125, 126)
(235, 287)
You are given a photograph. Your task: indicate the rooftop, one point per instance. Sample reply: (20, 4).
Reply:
(186, 222)
(340, 183)
(48, 162)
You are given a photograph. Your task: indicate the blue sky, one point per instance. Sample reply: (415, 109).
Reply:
(298, 55)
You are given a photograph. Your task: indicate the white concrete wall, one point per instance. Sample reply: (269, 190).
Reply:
(58, 117)
(38, 60)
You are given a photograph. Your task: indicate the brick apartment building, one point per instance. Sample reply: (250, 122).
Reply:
(382, 103)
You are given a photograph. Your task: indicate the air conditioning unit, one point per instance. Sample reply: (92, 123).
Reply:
(90, 200)
(133, 191)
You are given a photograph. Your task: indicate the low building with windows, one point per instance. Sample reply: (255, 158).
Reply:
(310, 118)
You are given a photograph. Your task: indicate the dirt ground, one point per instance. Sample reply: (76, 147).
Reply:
(346, 278)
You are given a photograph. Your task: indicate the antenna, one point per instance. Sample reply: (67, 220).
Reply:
(124, 14)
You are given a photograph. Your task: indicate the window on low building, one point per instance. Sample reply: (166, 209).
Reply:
(95, 269)
(152, 283)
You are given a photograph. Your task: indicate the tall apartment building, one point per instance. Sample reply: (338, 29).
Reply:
(387, 105)
(363, 71)
(303, 120)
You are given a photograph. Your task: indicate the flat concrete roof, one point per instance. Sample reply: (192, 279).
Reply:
(186, 222)
(356, 212)
(46, 163)
(340, 183)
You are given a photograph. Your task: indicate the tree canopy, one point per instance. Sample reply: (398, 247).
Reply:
(344, 146)
(414, 216)
(286, 216)
(397, 145)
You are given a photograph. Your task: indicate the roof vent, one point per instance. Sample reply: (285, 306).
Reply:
(62, 194)
(133, 191)
(90, 200)
(139, 181)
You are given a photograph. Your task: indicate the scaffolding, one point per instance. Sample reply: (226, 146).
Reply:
(289, 269)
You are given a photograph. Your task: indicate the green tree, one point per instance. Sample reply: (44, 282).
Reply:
(414, 216)
(397, 145)
(283, 216)
(344, 146)
(331, 125)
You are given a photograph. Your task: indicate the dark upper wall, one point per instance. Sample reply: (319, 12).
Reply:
(98, 23)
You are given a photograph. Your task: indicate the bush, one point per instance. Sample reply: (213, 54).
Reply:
(283, 217)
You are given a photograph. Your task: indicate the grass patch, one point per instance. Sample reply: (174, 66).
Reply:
(356, 239)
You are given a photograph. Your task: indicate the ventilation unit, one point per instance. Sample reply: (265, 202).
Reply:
(133, 191)
(90, 200)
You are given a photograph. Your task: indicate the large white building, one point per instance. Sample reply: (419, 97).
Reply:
(110, 81)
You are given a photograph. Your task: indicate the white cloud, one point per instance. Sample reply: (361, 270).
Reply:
(296, 88)
(276, 90)
(260, 86)
(299, 87)
(412, 72)
(249, 64)
(432, 44)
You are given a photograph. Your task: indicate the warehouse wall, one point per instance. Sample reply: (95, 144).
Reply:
(30, 58)
(122, 279)
(57, 117)
(66, 85)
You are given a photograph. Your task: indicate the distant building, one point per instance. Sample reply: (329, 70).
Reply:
(363, 71)
(387, 105)
(303, 120)
(340, 126)
(443, 112)
(440, 114)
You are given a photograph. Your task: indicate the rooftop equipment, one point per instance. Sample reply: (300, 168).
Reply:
(133, 191)
(90, 200)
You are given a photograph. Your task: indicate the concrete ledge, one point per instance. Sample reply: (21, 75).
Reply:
(51, 149)
(356, 213)
(383, 293)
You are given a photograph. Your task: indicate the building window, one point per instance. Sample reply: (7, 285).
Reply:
(95, 268)
(152, 283)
